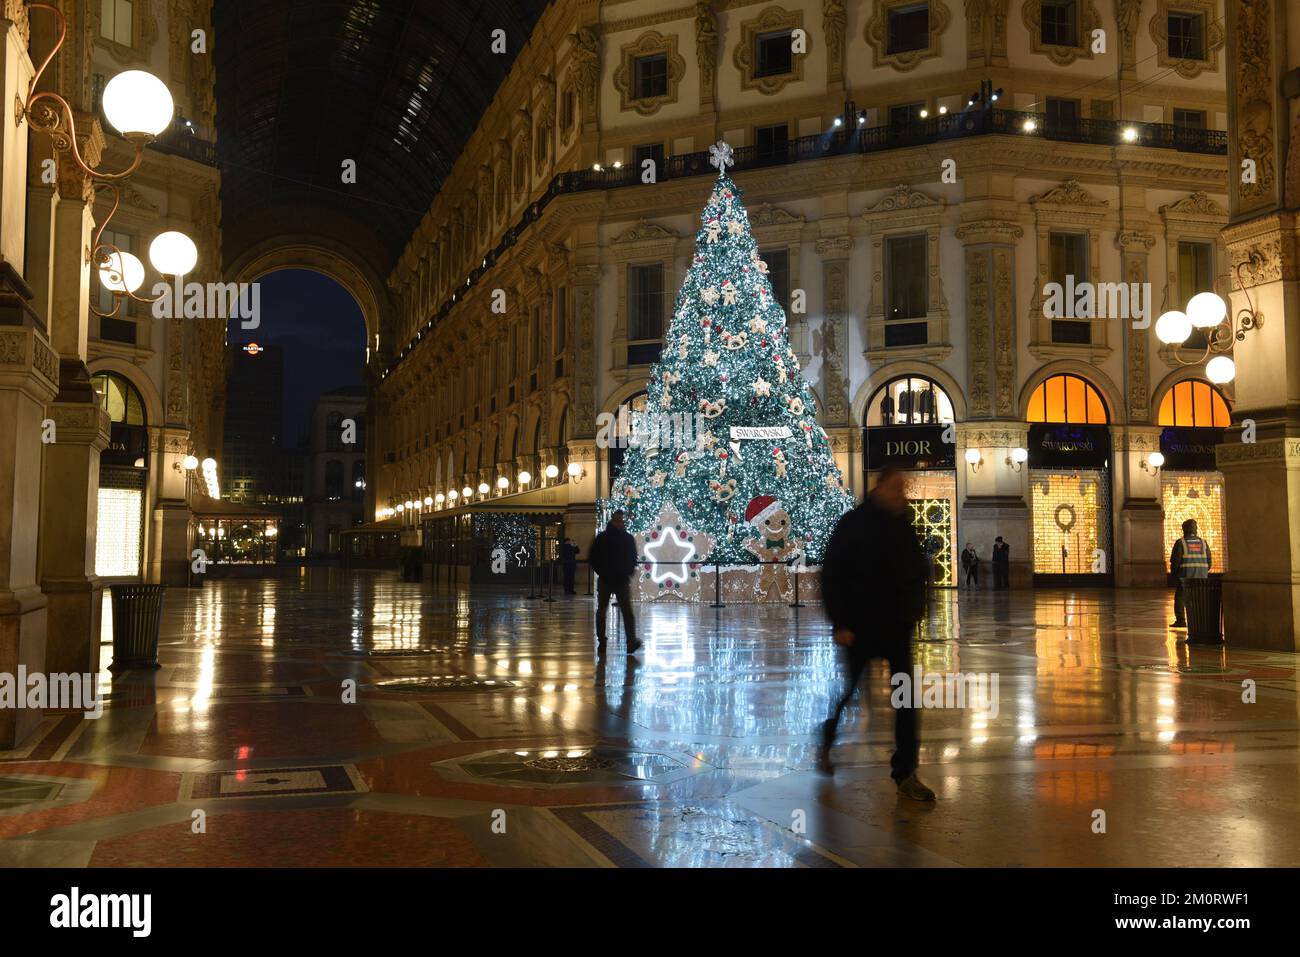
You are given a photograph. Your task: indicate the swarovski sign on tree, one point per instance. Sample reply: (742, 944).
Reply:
(758, 477)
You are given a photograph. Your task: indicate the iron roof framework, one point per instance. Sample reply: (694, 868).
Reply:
(398, 86)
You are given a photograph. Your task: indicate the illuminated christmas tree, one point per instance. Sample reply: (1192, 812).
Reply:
(729, 435)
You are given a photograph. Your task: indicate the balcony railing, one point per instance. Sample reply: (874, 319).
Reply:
(847, 141)
(180, 143)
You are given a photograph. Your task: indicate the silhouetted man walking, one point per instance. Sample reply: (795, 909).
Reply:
(612, 557)
(569, 558)
(873, 586)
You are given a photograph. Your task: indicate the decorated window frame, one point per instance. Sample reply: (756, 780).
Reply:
(650, 43)
(642, 244)
(877, 34)
(1214, 37)
(907, 212)
(1031, 13)
(745, 55)
(1068, 208)
(1195, 219)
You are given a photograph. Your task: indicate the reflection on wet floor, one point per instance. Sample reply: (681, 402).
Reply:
(355, 709)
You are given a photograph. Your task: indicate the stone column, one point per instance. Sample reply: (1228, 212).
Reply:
(580, 514)
(994, 499)
(834, 340)
(70, 485)
(29, 374)
(1139, 560)
(169, 560)
(1260, 459)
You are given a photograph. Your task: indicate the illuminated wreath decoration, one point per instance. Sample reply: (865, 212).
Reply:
(1064, 524)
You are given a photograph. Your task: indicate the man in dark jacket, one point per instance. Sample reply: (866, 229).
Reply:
(1001, 564)
(873, 586)
(612, 557)
(569, 559)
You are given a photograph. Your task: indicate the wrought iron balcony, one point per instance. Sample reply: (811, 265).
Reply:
(178, 142)
(848, 141)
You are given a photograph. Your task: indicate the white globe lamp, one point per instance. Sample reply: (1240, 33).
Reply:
(173, 253)
(1206, 310)
(1173, 328)
(138, 104)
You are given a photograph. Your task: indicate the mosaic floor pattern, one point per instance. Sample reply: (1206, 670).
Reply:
(351, 719)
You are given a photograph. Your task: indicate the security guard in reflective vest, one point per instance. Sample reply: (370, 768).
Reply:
(1189, 559)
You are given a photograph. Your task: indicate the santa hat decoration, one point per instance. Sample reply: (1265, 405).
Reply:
(761, 508)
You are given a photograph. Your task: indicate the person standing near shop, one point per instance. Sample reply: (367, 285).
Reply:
(1001, 564)
(569, 558)
(612, 557)
(1190, 558)
(873, 590)
(970, 562)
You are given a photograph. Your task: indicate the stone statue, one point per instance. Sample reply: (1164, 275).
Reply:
(706, 45)
(586, 67)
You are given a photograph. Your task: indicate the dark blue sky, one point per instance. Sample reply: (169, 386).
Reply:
(319, 325)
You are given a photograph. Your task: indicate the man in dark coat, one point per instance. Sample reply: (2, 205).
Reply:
(873, 586)
(569, 559)
(1001, 564)
(612, 557)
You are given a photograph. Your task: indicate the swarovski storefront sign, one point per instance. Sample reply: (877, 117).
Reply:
(1069, 446)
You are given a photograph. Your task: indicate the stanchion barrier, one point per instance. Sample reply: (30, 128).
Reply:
(796, 603)
(532, 580)
(550, 580)
(717, 587)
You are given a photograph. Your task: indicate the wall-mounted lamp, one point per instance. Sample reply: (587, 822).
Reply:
(1017, 459)
(576, 471)
(1153, 463)
(439, 499)
(452, 495)
(428, 500)
(552, 471)
(974, 458)
(525, 477)
(503, 483)
(467, 492)
(484, 488)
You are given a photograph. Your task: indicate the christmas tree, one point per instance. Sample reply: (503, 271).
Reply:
(729, 435)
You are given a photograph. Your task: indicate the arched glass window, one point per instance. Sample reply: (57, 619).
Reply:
(120, 399)
(909, 400)
(1067, 399)
(1194, 403)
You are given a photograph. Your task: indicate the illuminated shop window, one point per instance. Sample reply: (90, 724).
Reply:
(117, 533)
(1196, 404)
(932, 496)
(120, 399)
(1071, 521)
(909, 400)
(1067, 399)
(1200, 496)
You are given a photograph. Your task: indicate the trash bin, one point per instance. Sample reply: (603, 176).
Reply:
(137, 617)
(1203, 599)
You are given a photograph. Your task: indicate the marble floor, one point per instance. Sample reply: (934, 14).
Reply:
(351, 719)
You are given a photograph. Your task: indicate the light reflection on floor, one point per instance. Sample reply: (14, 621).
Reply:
(282, 703)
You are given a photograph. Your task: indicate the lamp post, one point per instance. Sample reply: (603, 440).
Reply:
(139, 106)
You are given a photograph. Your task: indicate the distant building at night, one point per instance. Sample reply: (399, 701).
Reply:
(250, 466)
(336, 468)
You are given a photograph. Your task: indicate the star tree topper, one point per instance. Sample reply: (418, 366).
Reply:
(672, 556)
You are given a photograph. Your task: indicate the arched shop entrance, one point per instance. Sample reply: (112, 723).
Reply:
(1194, 415)
(123, 480)
(1070, 483)
(903, 426)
